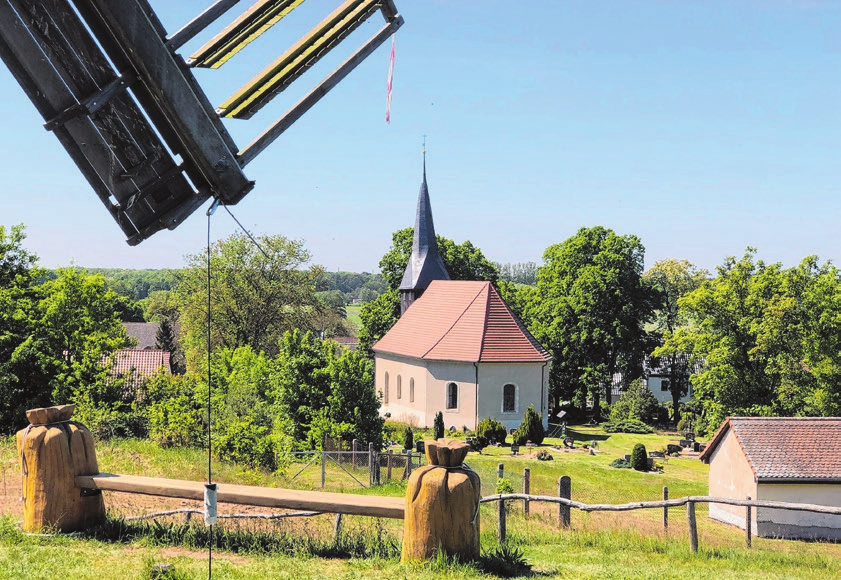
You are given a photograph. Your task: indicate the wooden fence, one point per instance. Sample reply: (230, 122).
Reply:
(566, 504)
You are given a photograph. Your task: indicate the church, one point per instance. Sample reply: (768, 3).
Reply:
(457, 347)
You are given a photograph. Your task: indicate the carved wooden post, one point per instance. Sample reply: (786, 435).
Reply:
(53, 450)
(442, 505)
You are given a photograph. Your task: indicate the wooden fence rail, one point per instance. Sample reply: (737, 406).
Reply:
(689, 502)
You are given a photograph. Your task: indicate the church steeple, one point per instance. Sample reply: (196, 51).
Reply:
(425, 264)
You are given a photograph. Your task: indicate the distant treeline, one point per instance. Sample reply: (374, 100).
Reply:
(138, 284)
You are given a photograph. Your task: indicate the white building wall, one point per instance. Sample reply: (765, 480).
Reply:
(796, 524)
(655, 385)
(531, 382)
(441, 374)
(403, 409)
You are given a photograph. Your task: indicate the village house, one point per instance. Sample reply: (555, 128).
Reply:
(457, 347)
(788, 459)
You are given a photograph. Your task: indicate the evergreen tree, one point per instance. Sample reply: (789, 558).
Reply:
(438, 426)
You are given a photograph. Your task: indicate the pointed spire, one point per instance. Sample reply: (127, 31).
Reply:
(425, 264)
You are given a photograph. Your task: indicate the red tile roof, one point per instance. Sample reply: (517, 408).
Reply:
(144, 362)
(786, 448)
(462, 321)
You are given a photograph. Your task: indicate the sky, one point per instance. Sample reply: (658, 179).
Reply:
(700, 127)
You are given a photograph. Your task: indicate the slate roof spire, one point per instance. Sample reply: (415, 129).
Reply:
(425, 264)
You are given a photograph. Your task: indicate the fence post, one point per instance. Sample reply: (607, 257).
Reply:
(693, 526)
(371, 463)
(564, 491)
(337, 527)
(340, 450)
(323, 468)
(354, 446)
(409, 465)
(665, 508)
(748, 523)
(500, 471)
(526, 489)
(500, 529)
(388, 478)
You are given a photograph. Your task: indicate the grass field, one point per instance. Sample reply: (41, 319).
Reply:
(598, 545)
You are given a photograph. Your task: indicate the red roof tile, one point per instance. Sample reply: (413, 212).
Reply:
(144, 362)
(786, 448)
(462, 321)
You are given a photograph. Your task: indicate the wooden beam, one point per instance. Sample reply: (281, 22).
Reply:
(343, 503)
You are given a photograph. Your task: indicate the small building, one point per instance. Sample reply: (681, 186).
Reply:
(788, 459)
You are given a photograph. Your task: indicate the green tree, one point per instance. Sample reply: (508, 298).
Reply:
(255, 297)
(531, 429)
(749, 330)
(377, 317)
(673, 279)
(589, 310)
(638, 403)
(353, 399)
(438, 426)
(639, 457)
(303, 381)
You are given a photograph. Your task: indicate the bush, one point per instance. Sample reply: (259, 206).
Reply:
(491, 430)
(438, 426)
(639, 458)
(620, 463)
(408, 438)
(637, 403)
(627, 426)
(531, 429)
(506, 562)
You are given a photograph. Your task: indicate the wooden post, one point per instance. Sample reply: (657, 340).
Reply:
(409, 465)
(500, 528)
(390, 455)
(526, 489)
(354, 449)
(564, 491)
(693, 526)
(500, 472)
(337, 527)
(748, 524)
(371, 464)
(323, 468)
(665, 508)
(340, 450)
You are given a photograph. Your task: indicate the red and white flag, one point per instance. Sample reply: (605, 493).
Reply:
(388, 84)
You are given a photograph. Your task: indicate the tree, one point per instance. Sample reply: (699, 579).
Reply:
(531, 429)
(353, 399)
(749, 328)
(438, 426)
(589, 310)
(166, 339)
(463, 262)
(303, 381)
(255, 297)
(674, 279)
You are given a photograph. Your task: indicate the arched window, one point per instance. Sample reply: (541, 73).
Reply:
(452, 396)
(411, 390)
(399, 386)
(385, 390)
(509, 398)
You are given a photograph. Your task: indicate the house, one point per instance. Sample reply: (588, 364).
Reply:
(145, 332)
(657, 377)
(789, 459)
(457, 347)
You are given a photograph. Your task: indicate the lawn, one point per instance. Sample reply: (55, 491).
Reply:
(598, 545)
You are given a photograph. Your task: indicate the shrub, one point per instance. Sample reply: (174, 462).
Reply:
(408, 438)
(544, 456)
(620, 463)
(438, 426)
(639, 458)
(627, 426)
(506, 562)
(531, 429)
(637, 403)
(491, 430)
(503, 486)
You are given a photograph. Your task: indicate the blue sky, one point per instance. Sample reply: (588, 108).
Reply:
(701, 127)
